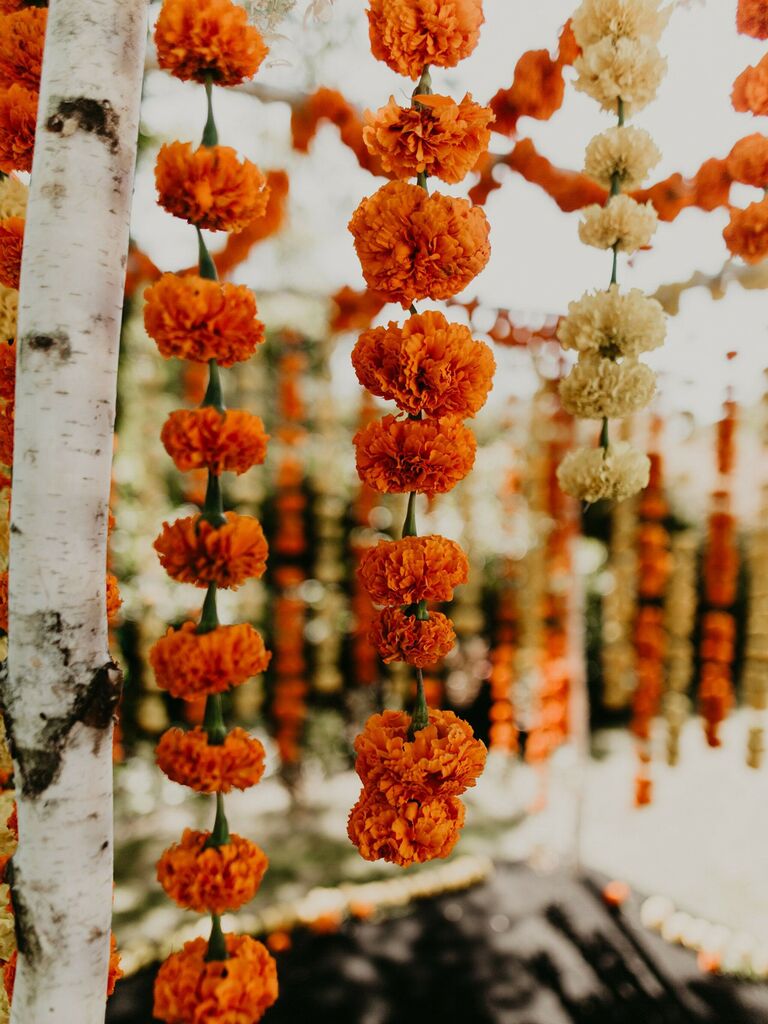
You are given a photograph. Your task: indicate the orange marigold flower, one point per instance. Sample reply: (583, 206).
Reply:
(415, 246)
(7, 418)
(746, 234)
(18, 119)
(747, 162)
(4, 600)
(752, 18)
(189, 664)
(398, 572)
(430, 456)
(232, 441)
(427, 366)
(22, 37)
(412, 834)
(193, 318)
(11, 242)
(189, 759)
(537, 91)
(192, 550)
(8, 6)
(8, 370)
(238, 990)
(436, 136)
(211, 879)
(409, 34)
(116, 971)
(712, 184)
(419, 642)
(200, 38)
(209, 186)
(443, 759)
(114, 600)
(750, 90)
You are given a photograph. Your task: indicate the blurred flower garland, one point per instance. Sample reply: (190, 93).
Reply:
(226, 977)
(620, 66)
(413, 768)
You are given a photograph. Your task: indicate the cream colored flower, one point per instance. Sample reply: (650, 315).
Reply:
(623, 150)
(616, 473)
(626, 69)
(13, 197)
(598, 387)
(5, 1006)
(622, 222)
(7, 930)
(613, 323)
(9, 312)
(595, 19)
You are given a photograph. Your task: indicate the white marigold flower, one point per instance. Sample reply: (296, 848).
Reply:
(9, 311)
(595, 19)
(598, 387)
(13, 197)
(628, 152)
(616, 473)
(613, 323)
(626, 69)
(622, 222)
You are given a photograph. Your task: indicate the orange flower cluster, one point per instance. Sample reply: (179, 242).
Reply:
(211, 879)
(192, 550)
(190, 759)
(18, 120)
(22, 38)
(750, 90)
(752, 18)
(11, 242)
(408, 811)
(239, 990)
(400, 572)
(748, 161)
(365, 667)
(400, 636)
(211, 39)
(746, 233)
(408, 35)
(231, 441)
(189, 664)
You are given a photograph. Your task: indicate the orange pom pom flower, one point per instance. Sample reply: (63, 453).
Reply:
(426, 366)
(412, 245)
(238, 990)
(234, 440)
(22, 37)
(750, 90)
(18, 119)
(419, 642)
(196, 39)
(752, 18)
(191, 760)
(7, 370)
(192, 550)
(409, 34)
(746, 234)
(11, 244)
(398, 572)
(211, 879)
(410, 834)
(748, 161)
(193, 318)
(429, 456)
(209, 186)
(189, 664)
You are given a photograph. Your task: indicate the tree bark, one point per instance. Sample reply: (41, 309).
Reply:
(62, 688)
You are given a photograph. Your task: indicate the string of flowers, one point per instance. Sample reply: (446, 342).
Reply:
(755, 678)
(679, 618)
(620, 66)
(195, 317)
(617, 653)
(414, 767)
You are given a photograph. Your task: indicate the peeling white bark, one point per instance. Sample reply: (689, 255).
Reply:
(61, 688)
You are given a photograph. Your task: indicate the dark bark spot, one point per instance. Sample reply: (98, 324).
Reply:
(97, 117)
(57, 342)
(26, 937)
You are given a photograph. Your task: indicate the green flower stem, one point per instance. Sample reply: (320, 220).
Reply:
(209, 619)
(213, 394)
(620, 110)
(604, 439)
(213, 509)
(213, 723)
(412, 309)
(217, 946)
(207, 266)
(615, 190)
(210, 133)
(420, 716)
(409, 526)
(424, 84)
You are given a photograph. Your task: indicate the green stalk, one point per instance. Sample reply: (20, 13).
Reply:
(615, 190)
(409, 526)
(604, 439)
(420, 716)
(207, 266)
(217, 946)
(210, 133)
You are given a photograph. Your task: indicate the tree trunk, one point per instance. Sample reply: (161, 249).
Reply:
(62, 688)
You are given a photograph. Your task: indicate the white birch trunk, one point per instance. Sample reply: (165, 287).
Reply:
(62, 688)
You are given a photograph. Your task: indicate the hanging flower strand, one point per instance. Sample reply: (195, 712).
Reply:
(414, 767)
(196, 317)
(620, 66)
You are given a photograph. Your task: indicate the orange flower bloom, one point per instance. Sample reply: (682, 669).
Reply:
(189, 759)
(443, 759)
(191, 550)
(752, 18)
(8, 370)
(426, 366)
(114, 600)
(415, 833)
(18, 119)
(209, 187)
(712, 184)
(116, 971)
(238, 990)
(232, 441)
(750, 90)
(193, 318)
(415, 246)
(430, 456)
(189, 664)
(11, 242)
(22, 37)
(438, 136)
(8, 6)
(419, 642)
(748, 161)
(198, 38)
(409, 34)
(211, 879)
(537, 90)
(746, 234)
(6, 434)
(397, 572)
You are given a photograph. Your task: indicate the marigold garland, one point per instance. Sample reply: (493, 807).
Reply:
(211, 879)
(413, 569)
(191, 759)
(408, 35)
(193, 550)
(11, 242)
